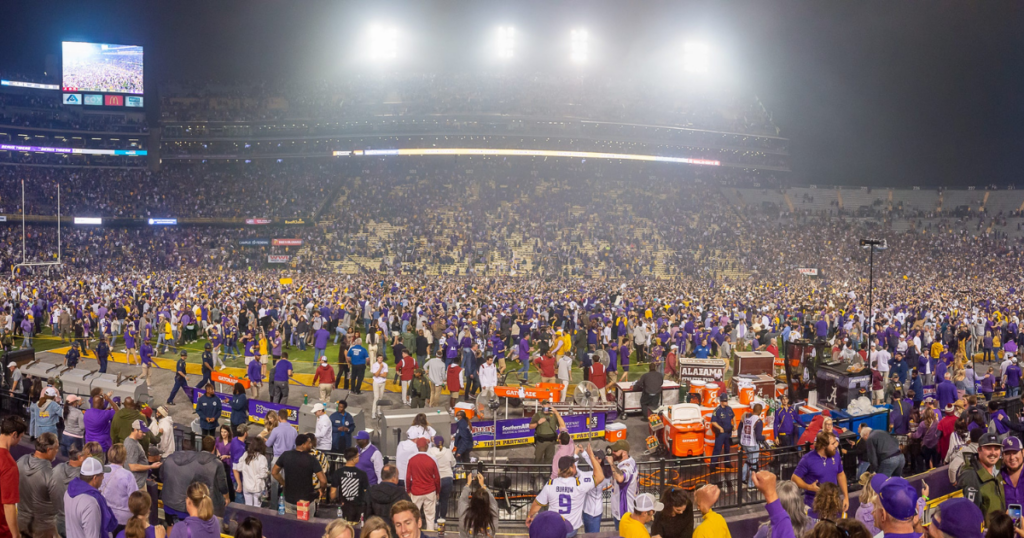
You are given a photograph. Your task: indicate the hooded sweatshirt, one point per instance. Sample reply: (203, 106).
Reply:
(193, 527)
(382, 497)
(63, 474)
(184, 467)
(41, 495)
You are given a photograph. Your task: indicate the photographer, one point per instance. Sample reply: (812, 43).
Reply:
(478, 509)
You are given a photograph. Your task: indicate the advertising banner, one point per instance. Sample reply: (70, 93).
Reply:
(516, 431)
(258, 221)
(113, 100)
(228, 380)
(72, 98)
(163, 222)
(133, 101)
(93, 99)
(809, 271)
(254, 242)
(258, 409)
(287, 242)
(295, 221)
(278, 258)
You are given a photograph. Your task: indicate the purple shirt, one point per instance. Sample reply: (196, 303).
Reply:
(321, 337)
(255, 371)
(814, 468)
(281, 373)
(97, 426)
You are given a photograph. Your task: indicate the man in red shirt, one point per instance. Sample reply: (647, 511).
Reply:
(599, 377)
(406, 368)
(11, 430)
(325, 375)
(946, 427)
(546, 364)
(423, 482)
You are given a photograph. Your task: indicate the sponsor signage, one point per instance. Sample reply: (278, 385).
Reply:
(163, 222)
(33, 85)
(88, 220)
(701, 369)
(295, 221)
(809, 271)
(133, 101)
(258, 221)
(516, 431)
(229, 380)
(76, 151)
(258, 409)
(254, 242)
(113, 100)
(278, 258)
(287, 242)
(3, 218)
(93, 99)
(72, 98)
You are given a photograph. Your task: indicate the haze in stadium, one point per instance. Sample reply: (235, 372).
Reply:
(672, 236)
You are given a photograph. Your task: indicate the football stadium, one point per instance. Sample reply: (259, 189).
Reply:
(402, 269)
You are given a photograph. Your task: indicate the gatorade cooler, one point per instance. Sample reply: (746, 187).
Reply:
(686, 429)
(738, 410)
(696, 394)
(710, 394)
(615, 431)
(467, 408)
(554, 388)
(746, 391)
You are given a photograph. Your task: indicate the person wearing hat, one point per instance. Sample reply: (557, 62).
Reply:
(349, 487)
(322, 432)
(137, 459)
(956, 518)
(895, 509)
(1011, 379)
(624, 479)
(979, 480)
(72, 356)
(423, 481)
(419, 390)
(1013, 460)
(633, 524)
(162, 427)
(446, 463)
(567, 493)
(102, 354)
(180, 376)
(324, 379)
(207, 367)
(550, 524)
(946, 427)
(370, 458)
(86, 512)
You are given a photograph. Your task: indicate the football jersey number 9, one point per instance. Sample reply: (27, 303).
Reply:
(564, 504)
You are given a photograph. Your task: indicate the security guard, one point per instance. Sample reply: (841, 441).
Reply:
(71, 357)
(721, 422)
(899, 416)
(207, 365)
(180, 380)
(343, 426)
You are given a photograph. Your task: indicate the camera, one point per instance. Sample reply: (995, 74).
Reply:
(608, 451)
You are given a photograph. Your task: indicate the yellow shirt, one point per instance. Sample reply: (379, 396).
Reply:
(631, 528)
(713, 526)
(936, 349)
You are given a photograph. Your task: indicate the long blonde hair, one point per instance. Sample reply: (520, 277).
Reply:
(139, 503)
(270, 421)
(199, 495)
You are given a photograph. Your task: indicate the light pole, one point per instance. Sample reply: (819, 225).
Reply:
(872, 245)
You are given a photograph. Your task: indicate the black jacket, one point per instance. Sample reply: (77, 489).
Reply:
(382, 497)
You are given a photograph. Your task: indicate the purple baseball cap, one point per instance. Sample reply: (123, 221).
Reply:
(960, 517)
(550, 525)
(898, 498)
(1011, 444)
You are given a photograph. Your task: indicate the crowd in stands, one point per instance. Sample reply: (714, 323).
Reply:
(223, 190)
(416, 95)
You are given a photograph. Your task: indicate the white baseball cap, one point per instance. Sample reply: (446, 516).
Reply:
(12, 364)
(318, 407)
(92, 467)
(646, 502)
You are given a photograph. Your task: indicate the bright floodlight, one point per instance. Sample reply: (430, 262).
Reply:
(506, 41)
(580, 46)
(382, 42)
(696, 58)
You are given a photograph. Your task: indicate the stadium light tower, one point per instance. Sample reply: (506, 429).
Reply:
(506, 42)
(579, 46)
(696, 58)
(382, 42)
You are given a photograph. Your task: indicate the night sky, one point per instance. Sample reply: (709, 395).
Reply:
(871, 92)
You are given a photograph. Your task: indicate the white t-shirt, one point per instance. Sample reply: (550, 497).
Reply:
(567, 496)
(379, 368)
